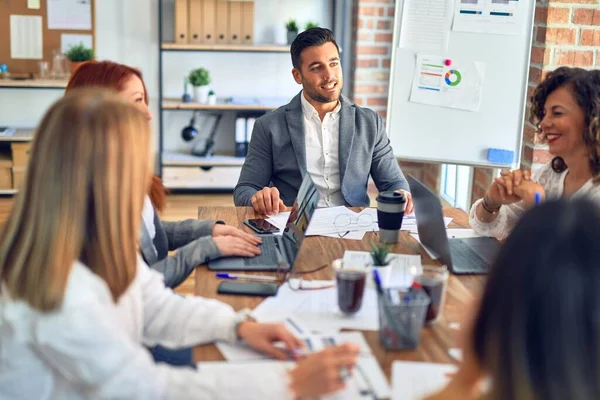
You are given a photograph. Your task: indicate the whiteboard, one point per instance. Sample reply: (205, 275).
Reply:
(422, 132)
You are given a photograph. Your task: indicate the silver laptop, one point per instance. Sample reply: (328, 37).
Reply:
(278, 251)
(461, 255)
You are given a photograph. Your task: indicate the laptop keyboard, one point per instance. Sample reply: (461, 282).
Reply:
(268, 255)
(465, 259)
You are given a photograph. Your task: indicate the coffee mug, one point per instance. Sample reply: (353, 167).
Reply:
(390, 212)
(350, 287)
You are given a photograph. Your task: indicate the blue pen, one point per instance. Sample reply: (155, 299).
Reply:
(537, 198)
(248, 277)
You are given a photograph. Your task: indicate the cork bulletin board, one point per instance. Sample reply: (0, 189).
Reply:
(51, 38)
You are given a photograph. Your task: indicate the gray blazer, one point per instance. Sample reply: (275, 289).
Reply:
(191, 238)
(276, 155)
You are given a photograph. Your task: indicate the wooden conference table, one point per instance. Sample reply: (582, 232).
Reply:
(436, 338)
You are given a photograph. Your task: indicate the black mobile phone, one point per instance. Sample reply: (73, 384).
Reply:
(248, 288)
(260, 225)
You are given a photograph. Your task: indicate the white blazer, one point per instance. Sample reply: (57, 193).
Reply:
(92, 348)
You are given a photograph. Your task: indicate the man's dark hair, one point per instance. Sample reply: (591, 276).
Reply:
(310, 37)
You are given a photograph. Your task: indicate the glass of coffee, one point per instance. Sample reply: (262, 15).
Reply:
(350, 287)
(434, 281)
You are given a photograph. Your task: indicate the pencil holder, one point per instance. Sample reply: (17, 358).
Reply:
(401, 318)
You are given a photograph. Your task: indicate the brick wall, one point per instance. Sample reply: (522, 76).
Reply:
(371, 73)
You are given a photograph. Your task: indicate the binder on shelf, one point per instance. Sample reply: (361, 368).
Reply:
(222, 22)
(248, 22)
(181, 21)
(240, 137)
(235, 22)
(209, 21)
(249, 127)
(195, 21)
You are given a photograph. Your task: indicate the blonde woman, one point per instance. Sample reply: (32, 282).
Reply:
(76, 300)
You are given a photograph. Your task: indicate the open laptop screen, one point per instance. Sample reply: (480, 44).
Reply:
(300, 216)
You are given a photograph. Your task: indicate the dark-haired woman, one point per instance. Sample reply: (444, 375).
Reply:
(566, 110)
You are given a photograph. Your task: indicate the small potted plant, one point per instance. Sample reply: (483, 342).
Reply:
(381, 260)
(199, 78)
(292, 30)
(310, 24)
(212, 97)
(78, 54)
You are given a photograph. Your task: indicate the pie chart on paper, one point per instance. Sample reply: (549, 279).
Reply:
(453, 77)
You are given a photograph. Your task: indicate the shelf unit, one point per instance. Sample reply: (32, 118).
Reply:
(33, 83)
(20, 136)
(179, 170)
(225, 47)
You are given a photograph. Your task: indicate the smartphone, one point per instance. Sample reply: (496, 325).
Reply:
(248, 288)
(260, 225)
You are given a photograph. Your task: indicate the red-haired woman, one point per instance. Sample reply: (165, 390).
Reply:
(196, 241)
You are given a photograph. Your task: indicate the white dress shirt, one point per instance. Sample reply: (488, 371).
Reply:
(554, 186)
(148, 217)
(92, 348)
(322, 152)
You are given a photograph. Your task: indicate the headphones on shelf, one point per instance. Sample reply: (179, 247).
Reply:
(189, 133)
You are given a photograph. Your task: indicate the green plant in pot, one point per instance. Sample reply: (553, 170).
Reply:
(78, 54)
(310, 24)
(199, 78)
(291, 27)
(380, 256)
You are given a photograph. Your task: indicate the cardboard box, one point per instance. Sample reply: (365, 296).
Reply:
(18, 175)
(20, 153)
(5, 178)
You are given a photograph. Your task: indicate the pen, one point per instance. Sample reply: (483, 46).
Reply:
(250, 277)
(537, 198)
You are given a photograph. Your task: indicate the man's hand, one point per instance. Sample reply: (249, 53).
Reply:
(267, 201)
(409, 203)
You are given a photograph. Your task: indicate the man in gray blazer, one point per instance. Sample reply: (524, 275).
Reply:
(320, 132)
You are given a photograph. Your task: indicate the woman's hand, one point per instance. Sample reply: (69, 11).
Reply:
(319, 373)
(501, 191)
(226, 230)
(263, 336)
(512, 179)
(235, 246)
(527, 191)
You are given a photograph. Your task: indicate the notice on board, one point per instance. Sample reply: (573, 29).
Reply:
(453, 83)
(26, 37)
(426, 25)
(70, 14)
(505, 17)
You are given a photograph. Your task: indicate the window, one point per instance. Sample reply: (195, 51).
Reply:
(455, 185)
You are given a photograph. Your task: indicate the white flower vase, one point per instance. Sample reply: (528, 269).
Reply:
(201, 94)
(212, 99)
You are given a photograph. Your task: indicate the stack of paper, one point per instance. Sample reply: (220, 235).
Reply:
(367, 379)
(318, 310)
(341, 222)
(415, 380)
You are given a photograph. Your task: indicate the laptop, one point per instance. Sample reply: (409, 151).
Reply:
(461, 255)
(278, 251)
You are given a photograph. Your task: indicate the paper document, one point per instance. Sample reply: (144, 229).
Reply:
(26, 37)
(250, 380)
(505, 17)
(399, 274)
(368, 377)
(454, 233)
(426, 25)
(69, 14)
(458, 85)
(318, 310)
(415, 380)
